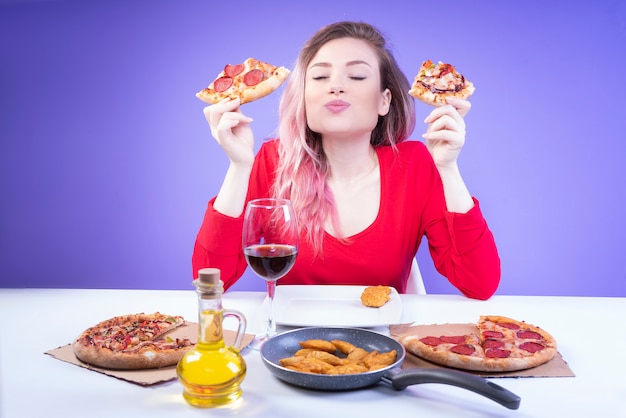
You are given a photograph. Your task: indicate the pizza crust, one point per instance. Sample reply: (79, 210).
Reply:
(145, 359)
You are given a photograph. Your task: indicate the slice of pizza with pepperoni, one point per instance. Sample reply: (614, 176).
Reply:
(498, 344)
(248, 81)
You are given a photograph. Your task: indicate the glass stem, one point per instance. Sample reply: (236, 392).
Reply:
(271, 325)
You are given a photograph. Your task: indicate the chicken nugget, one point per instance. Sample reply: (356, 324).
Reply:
(343, 346)
(378, 361)
(357, 354)
(370, 354)
(347, 361)
(375, 296)
(303, 352)
(321, 345)
(312, 365)
(291, 361)
(305, 364)
(326, 357)
(351, 369)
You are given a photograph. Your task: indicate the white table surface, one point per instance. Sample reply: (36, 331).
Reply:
(590, 331)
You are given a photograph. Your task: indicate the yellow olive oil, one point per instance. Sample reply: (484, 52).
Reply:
(211, 373)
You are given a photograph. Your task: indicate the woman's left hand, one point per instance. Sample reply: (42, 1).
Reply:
(445, 134)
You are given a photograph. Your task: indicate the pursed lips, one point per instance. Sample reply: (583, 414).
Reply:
(337, 106)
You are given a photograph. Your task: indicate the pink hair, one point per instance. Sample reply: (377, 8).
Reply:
(303, 168)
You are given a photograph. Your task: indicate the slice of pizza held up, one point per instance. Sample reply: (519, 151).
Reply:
(497, 344)
(249, 81)
(434, 82)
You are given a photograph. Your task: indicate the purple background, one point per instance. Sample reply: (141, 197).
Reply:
(106, 161)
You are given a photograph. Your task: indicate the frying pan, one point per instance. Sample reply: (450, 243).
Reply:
(286, 344)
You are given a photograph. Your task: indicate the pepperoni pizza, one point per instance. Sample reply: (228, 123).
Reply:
(434, 82)
(130, 342)
(249, 81)
(499, 344)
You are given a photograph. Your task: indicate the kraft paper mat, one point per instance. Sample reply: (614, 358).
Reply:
(557, 367)
(146, 377)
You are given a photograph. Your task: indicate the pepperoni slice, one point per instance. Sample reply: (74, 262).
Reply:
(531, 347)
(492, 344)
(465, 349)
(493, 334)
(497, 353)
(529, 335)
(222, 84)
(509, 325)
(432, 341)
(452, 339)
(253, 77)
(233, 70)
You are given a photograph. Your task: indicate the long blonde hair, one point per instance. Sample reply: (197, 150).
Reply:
(303, 167)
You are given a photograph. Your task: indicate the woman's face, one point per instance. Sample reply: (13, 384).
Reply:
(342, 92)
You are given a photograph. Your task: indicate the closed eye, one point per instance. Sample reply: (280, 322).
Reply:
(321, 77)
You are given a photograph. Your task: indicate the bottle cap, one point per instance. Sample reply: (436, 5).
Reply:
(209, 276)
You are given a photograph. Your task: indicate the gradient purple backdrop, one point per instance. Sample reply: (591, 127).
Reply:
(107, 162)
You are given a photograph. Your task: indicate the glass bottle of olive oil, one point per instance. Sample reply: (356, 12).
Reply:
(212, 372)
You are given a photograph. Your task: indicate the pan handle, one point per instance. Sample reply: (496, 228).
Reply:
(399, 379)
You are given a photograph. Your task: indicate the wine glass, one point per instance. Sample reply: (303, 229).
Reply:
(270, 245)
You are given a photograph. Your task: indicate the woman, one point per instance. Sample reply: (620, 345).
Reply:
(364, 195)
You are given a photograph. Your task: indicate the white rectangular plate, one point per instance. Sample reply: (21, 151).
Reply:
(340, 306)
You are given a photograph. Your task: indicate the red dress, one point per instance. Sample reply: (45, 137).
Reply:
(412, 206)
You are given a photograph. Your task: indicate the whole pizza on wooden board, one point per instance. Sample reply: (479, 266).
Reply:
(132, 342)
(496, 344)
(436, 81)
(248, 81)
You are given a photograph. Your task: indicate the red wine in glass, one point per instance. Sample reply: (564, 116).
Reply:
(270, 261)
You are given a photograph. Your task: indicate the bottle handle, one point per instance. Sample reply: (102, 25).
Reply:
(241, 328)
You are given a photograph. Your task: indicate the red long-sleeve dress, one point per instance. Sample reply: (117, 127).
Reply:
(412, 206)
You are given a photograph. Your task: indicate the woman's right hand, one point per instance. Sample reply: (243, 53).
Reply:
(231, 129)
